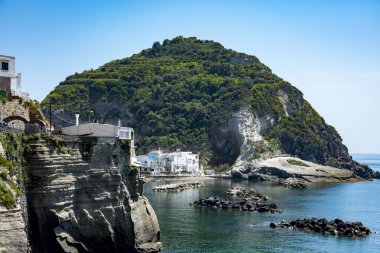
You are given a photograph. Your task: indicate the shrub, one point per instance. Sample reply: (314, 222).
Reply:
(256, 155)
(3, 174)
(297, 163)
(5, 163)
(6, 196)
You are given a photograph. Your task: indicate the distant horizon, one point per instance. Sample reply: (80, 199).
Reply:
(328, 50)
(364, 153)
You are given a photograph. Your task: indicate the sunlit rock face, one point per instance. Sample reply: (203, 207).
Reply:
(85, 198)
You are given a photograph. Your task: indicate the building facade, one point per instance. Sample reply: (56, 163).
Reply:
(104, 131)
(10, 81)
(157, 163)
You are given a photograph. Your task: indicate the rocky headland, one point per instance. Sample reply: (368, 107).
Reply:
(292, 172)
(246, 193)
(244, 205)
(225, 105)
(335, 227)
(178, 187)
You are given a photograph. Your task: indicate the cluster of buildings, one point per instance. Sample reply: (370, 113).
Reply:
(154, 163)
(159, 163)
(103, 131)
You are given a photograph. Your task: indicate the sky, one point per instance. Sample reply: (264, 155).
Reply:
(330, 50)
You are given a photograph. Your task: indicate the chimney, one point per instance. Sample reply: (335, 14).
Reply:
(77, 119)
(119, 123)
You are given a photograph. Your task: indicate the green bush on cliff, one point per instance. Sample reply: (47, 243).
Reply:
(6, 196)
(303, 134)
(14, 146)
(297, 163)
(5, 163)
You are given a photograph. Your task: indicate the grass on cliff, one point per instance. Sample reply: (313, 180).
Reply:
(297, 163)
(6, 196)
(13, 165)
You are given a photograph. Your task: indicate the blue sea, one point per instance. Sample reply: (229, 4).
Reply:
(186, 228)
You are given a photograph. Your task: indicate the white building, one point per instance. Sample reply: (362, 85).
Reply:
(103, 130)
(157, 162)
(10, 81)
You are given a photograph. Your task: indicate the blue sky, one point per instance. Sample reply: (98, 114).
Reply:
(330, 50)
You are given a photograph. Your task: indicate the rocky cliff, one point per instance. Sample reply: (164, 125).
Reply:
(13, 222)
(86, 199)
(266, 137)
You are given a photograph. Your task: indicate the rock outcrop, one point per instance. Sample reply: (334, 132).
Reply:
(13, 236)
(249, 131)
(335, 227)
(244, 205)
(292, 172)
(92, 205)
(246, 193)
(178, 187)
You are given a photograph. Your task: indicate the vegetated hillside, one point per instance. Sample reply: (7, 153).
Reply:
(176, 94)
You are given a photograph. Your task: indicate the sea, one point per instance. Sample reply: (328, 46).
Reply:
(186, 228)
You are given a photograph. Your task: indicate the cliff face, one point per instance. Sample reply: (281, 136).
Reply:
(293, 128)
(88, 200)
(13, 237)
(13, 218)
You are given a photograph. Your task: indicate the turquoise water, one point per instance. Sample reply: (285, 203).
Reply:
(186, 228)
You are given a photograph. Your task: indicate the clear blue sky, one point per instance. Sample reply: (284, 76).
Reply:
(330, 50)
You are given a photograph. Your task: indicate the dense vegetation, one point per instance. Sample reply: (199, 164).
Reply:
(173, 93)
(12, 168)
(176, 94)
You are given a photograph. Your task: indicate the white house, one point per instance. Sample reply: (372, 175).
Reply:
(156, 162)
(103, 130)
(10, 81)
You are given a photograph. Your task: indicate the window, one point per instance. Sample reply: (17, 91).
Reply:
(4, 65)
(123, 134)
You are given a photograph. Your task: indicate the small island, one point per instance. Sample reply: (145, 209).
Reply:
(335, 227)
(249, 206)
(246, 193)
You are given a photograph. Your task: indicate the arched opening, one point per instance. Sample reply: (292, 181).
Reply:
(16, 121)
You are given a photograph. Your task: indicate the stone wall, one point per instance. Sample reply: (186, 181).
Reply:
(16, 107)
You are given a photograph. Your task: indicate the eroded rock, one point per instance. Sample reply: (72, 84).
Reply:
(294, 182)
(244, 205)
(335, 227)
(178, 187)
(246, 193)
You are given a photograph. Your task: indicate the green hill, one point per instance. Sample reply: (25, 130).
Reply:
(179, 93)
